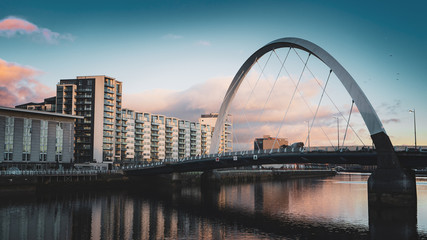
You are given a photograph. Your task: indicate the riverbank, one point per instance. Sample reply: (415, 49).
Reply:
(31, 184)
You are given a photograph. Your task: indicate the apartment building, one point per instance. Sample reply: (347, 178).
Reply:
(98, 99)
(171, 147)
(226, 142)
(106, 133)
(35, 139)
(154, 137)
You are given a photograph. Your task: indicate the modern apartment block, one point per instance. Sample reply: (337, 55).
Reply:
(226, 143)
(98, 99)
(35, 139)
(153, 137)
(48, 105)
(172, 144)
(106, 133)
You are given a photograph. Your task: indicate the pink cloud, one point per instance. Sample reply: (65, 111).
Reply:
(18, 85)
(12, 26)
(207, 97)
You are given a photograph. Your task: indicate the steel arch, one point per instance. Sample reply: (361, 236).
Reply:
(368, 113)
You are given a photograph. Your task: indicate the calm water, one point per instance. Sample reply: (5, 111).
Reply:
(321, 208)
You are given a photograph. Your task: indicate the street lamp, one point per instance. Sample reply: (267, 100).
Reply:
(415, 127)
(308, 134)
(338, 132)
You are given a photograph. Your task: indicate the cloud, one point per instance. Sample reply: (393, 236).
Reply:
(248, 121)
(172, 36)
(18, 85)
(391, 120)
(12, 26)
(203, 43)
(188, 104)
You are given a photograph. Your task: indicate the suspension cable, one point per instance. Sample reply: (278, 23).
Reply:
(305, 101)
(336, 107)
(252, 93)
(349, 116)
(318, 105)
(290, 102)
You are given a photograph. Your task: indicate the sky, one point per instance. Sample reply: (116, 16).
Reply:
(178, 57)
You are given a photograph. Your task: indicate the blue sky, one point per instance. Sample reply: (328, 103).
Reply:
(176, 45)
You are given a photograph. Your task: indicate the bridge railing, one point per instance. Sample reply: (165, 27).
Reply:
(54, 172)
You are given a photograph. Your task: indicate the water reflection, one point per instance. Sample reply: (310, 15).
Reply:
(328, 208)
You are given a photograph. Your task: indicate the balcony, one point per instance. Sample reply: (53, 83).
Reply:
(108, 84)
(108, 103)
(108, 90)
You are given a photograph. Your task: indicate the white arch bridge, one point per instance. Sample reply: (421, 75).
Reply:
(391, 184)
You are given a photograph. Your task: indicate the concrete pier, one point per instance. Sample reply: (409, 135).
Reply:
(393, 188)
(390, 185)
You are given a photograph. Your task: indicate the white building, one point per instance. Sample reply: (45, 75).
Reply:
(226, 142)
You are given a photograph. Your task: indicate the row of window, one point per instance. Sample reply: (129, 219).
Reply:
(26, 157)
(26, 143)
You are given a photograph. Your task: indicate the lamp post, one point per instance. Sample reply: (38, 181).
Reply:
(338, 133)
(415, 127)
(308, 134)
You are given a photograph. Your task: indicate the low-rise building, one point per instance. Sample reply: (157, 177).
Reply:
(48, 105)
(35, 139)
(267, 142)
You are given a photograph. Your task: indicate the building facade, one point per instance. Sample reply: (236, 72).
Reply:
(107, 133)
(35, 139)
(48, 105)
(153, 137)
(98, 99)
(226, 142)
(267, 142)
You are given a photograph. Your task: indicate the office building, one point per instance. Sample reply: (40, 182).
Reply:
(98, 99)
(35, 139)
(267, 142)
(226, 142)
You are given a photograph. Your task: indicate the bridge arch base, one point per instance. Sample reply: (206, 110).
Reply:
(390, 185)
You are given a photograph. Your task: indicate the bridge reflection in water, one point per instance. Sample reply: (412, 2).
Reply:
(321, 208)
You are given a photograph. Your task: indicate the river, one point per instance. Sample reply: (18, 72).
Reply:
(310, 208)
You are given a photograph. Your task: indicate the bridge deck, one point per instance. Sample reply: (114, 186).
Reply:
(229, 160)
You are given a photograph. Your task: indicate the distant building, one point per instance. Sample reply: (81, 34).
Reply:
(267, 142)
(106, 133)
(48, 105)
(98, 137)
(35, 139)
(226, 143)
(153, 137)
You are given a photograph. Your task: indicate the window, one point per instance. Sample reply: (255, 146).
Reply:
(59, 142)
(8, 137)
(43, 140)
(26, 150)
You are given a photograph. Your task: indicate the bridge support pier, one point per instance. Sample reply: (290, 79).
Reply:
(390, 184)
(392, 187)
